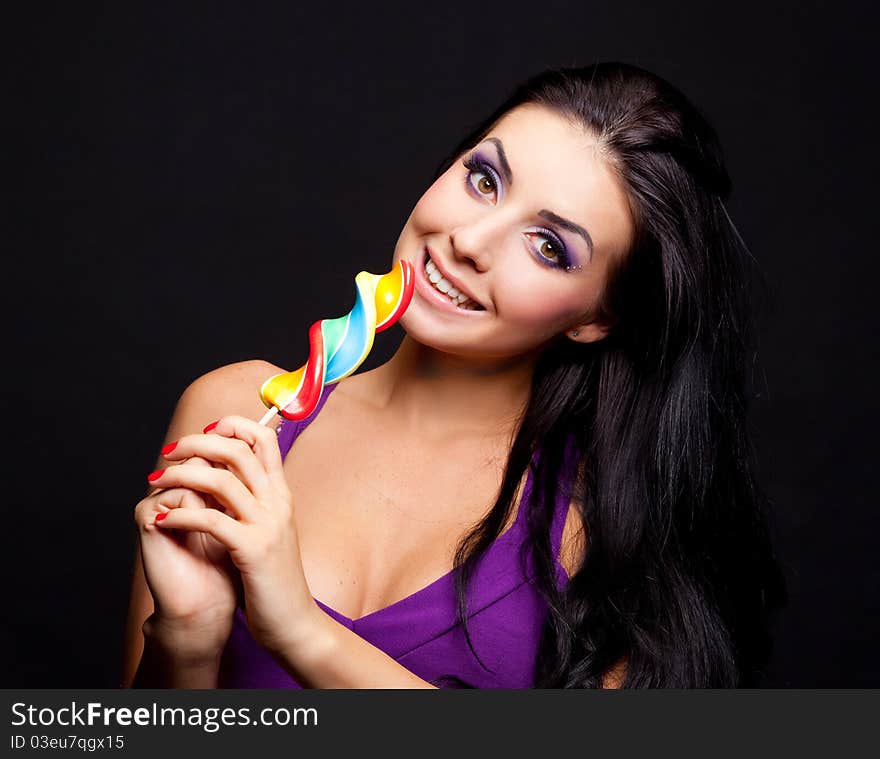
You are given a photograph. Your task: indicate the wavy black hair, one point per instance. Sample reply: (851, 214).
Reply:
(679, 576)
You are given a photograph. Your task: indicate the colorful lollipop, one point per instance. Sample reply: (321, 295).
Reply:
(339, 346)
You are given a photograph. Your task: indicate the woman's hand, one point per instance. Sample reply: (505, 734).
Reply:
(191, 577)
(257, 529)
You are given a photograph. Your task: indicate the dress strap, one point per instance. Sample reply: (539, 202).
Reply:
(566, 473)
(288, 431)
(564, 493)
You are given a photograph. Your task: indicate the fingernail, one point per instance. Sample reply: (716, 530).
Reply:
(153, 476)
(160, 517)
(168, 448)
(210, 427)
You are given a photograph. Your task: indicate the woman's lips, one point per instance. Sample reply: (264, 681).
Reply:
(449, 278)
(435, 297)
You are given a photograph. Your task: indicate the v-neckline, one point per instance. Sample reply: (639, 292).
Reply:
(512, 532)
(446, 578)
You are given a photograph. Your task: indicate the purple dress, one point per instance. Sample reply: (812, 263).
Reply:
(506, 613)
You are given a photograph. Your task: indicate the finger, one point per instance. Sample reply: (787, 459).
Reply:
(263, 441)
(235, 454)
(147, 510)
(229, 491)
(195, 461)
(219, 526)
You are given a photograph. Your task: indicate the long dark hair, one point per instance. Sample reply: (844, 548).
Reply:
(679, 576)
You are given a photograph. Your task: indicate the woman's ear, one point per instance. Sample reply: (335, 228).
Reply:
(591, 332)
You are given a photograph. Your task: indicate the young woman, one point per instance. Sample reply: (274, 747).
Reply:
(549, 484)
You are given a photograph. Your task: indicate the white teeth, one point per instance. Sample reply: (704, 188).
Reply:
(445, 286)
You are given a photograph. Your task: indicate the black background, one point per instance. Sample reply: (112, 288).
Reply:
(195, 185)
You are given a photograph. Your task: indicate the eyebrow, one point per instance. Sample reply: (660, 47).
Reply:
(502, 159)
(543, 213)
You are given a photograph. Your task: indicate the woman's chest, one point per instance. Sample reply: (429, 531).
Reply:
(379, 518)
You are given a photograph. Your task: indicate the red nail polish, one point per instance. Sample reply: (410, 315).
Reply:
(160, 517)
(168, 448)
(210, 427)
(153, 476)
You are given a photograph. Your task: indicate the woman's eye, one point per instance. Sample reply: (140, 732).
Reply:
(480, 177)
(549, 249)
(485, 185)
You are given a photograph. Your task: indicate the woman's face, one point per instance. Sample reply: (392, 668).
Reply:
(528, 223)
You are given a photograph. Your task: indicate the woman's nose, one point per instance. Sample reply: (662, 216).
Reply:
(477, 242)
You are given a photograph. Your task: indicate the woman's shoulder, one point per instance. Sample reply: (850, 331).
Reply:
(230, 389)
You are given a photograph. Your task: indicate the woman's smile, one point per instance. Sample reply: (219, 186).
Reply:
(434, 297)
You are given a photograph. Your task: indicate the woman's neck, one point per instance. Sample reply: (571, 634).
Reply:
(443, 394)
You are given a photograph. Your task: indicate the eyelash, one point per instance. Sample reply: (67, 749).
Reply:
(475, 165)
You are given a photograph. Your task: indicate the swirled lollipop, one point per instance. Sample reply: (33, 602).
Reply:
(339, 346)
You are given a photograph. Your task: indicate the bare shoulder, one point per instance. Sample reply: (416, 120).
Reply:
(573, 544)
(230, 389)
